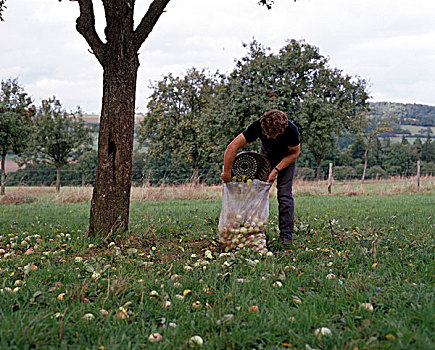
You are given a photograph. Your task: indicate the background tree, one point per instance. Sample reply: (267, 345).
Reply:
(58, 137)
(367, 128)
(386, 149)
(375, 155)
(397, 159)
(16, 111)
(87, 165)
(261, 81)
(418, 146)
(320, 141)
(178, 118)
(428, 150)
(321, 101)
(330, 108)
(138, 166)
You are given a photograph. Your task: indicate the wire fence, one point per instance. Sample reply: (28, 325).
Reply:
(209, 176)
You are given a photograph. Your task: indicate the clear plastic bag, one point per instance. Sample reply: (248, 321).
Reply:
(244, 215)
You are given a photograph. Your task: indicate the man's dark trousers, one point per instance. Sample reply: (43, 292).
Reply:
(286, 205)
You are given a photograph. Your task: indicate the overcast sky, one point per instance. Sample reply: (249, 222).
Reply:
(390, 43)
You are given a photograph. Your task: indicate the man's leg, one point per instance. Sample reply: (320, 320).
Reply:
(286, 202)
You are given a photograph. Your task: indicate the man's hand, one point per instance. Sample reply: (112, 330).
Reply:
(226, 177)
(230, 155)
(294, 152)
(272, 176)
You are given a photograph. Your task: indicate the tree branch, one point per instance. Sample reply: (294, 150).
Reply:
(2, 7)
(267, 3)
(148, 21)
(85, 25)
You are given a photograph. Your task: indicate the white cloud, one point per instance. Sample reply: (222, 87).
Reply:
(390, 43)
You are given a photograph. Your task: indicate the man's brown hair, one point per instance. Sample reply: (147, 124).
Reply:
(274, 122)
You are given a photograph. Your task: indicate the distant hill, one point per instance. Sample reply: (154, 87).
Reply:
(408, 114)
(414, 120)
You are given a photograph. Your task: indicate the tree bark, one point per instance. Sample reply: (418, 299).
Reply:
(57, 179)
(111, 197)
(194, 179)
(365, 166)
(330, 178)
(366, 152)
(3, 174)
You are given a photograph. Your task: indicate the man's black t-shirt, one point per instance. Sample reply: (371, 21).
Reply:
(277, 148)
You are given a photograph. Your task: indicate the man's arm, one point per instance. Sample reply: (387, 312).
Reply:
(230, 155)
(285, 162)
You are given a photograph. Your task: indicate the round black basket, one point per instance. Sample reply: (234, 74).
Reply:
(251, 164)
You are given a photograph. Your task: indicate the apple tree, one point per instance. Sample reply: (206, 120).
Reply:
(58, 137)
(322, 101)
(177, 120)
(335, 104)
(16, 111)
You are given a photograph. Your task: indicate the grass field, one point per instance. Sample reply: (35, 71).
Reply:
(414, 129)
(301, 188)
(362, 267)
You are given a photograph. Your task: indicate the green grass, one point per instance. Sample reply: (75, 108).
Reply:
(415, 129)
(348, 251)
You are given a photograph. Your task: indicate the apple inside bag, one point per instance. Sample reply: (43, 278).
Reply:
(244, 215)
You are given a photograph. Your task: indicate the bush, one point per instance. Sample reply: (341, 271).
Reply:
(427, 168)
(357, 161)
(394, 170)
(359, 169)
(305, 173)
(344, 172)
(376, 172)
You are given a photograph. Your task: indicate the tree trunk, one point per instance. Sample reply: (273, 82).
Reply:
(194, 179)
(57, 179)
(111, 196)
(119, 59)
(318, 170)
(364, 170)
(3, 174)
(365, 166)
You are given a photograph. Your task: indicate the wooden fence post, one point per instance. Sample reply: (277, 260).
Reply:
(418, 175)
(330, 178)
